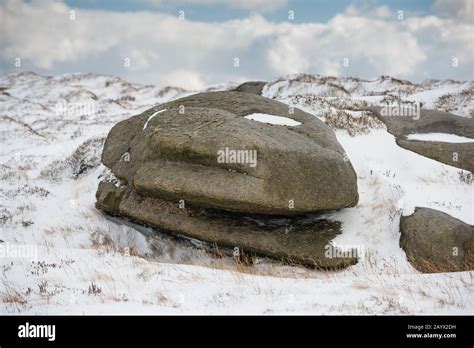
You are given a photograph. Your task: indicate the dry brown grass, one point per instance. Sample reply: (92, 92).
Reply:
(353, 125)
(13, 297)
(94, 289)
(425, 265)
(450, 102)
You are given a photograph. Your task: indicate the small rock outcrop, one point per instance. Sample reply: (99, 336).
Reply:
(437, 242)
(459, 155)
(254, 87)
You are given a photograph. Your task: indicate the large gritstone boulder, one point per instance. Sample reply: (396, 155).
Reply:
(229, 152)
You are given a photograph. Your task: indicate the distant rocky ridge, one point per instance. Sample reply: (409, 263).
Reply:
(254, 87)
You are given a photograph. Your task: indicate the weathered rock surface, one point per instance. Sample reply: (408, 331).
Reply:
(433, 121)
(169, 176)
(299, 239)
(443, 152)
(254, 87)
(437, 242)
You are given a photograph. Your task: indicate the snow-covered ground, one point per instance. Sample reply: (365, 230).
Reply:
(61, 255)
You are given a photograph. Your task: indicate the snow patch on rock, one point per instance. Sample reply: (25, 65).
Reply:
(272, 119)
(442, 137)
(151, 117)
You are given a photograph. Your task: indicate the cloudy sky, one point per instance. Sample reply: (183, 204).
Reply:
(196, 43)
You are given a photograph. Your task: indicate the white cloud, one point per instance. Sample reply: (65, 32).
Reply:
(363, 41)
(165, 50)
(253, 5)
(190, 80)
(461, 9)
